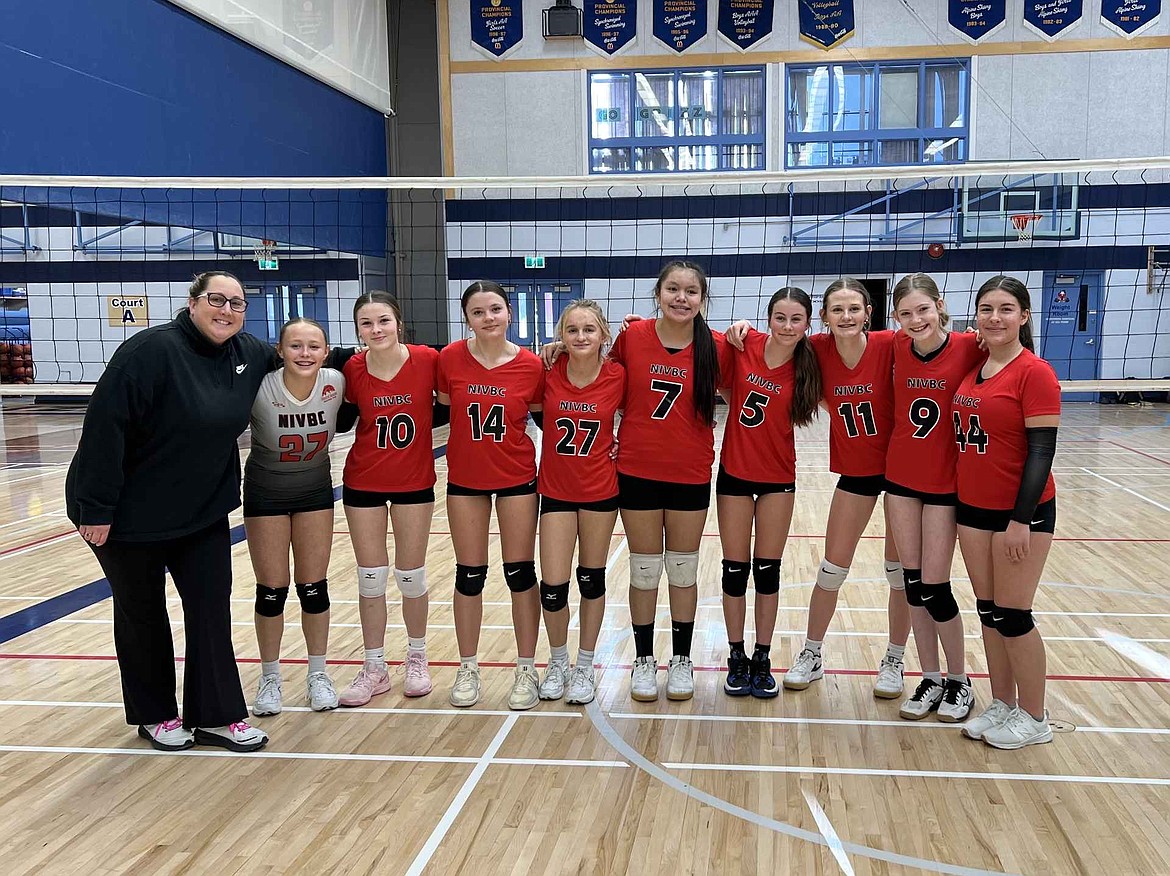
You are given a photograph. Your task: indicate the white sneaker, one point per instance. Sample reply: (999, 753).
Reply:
(958, 700)
(240, 736)
(889, 684)
(322, 696)
(923, 701)
(582, 686)
(680, 679)
(992, 716)
(552, 686)
(644, 680)
(525, 689)
(807, 669)
(1019, 730)
(465, 691)
(268, 698)
(168, 736)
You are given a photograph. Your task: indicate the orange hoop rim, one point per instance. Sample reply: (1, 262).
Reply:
(1020, 220)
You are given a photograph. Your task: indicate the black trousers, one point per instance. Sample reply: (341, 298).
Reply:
(201, 566)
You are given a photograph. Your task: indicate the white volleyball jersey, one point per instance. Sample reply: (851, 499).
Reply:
(289, 435)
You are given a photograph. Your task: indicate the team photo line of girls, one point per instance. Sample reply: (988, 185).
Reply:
(957, 430)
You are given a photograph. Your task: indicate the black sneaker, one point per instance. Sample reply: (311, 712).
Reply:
(923, 701)
(739, 681)
(763, 683)
(957, 701)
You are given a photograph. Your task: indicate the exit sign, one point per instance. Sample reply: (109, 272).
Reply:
(272, 264)
(533, 262)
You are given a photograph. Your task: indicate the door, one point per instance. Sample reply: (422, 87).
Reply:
(536, 307)
(271, 306)
(877, 289)
(1070, 338)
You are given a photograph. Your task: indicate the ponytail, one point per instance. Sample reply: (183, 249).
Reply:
(806, 394)
(705, 359)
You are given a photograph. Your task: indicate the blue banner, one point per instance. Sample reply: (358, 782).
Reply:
(1130, 17)
(610, 25)
(1051, 18)
(497, 26)
(976, 19)
(826, 23)
(679, 24)
(745, 22)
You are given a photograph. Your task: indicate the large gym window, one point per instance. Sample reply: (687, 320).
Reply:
(893, 112)
(676, 121)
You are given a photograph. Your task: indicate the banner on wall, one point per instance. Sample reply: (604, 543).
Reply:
(679, 24)
(826, 23)
(309, 25)
(610, 25)
(1130, 17)
(497, 26)
(744, 23)
(1051, 18)
(976, 19)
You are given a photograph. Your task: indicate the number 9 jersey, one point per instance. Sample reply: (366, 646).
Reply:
(392, 450)
(578, 434)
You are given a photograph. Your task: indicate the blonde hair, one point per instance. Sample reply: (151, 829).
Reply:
(595, 310)
(920, 283)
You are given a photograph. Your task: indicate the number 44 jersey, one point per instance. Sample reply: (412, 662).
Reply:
(290, 436)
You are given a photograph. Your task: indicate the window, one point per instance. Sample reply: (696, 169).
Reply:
(668, 121)
(893, 112)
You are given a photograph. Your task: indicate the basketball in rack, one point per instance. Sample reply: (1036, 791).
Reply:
(1022, 222)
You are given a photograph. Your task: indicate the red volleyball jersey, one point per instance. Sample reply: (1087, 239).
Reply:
(922, 454)
(860, 401)
(392, 449)
(575, 464)
(660, 437)
(488, 448)
(989, 429)
(758, 443)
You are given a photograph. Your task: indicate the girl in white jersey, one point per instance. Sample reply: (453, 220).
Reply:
(288, 500)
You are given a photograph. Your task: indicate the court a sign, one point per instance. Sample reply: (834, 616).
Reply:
(123, 312)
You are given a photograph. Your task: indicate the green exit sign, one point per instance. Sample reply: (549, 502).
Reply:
(272, 264)
(533, 262)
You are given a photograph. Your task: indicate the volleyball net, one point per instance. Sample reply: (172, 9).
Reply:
(85, 262)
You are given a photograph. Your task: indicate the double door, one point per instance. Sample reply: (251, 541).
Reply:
(536, 307)
(272, 305)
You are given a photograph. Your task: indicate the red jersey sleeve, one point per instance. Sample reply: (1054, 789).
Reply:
(1040, 390)
(860, 401)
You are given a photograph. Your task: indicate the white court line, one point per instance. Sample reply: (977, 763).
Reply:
(826, 828)
(269, 755)
(432, 844)
(451, 712)
(1131, 650)
(1126, 489)
(1156, 781)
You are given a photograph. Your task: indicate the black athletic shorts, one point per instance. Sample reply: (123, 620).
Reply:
(642, 494)
(549, 505)
(870, 485)
(259, 504)
(1043, 518)
(730, 485)
(369, 499)
(527, 489)
(925, 498)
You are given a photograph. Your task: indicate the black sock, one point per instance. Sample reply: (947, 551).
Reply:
(761, 652)
(682, 632)
(736, 648)
(644, 639)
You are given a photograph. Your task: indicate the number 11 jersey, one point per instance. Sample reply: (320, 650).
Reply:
(860, 401)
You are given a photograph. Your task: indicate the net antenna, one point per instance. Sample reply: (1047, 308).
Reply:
(1023, 223)
(1157, 269)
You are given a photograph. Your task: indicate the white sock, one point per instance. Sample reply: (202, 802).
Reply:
(560, 654)
(962, 679)
(530, 662)
(471, 662)
(584, 658)
(272, 667)
(815, 647)
(936, 677)
(895, 652)
(375, 657)
(316, 663)
(419, 644)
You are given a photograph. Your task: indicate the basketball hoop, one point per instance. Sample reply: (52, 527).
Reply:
(1022, 222)
(263, 251)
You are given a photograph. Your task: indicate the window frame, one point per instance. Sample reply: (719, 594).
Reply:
(875, 134)
(717, 141)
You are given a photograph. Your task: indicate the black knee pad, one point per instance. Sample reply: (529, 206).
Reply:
(986, 610)
(735, 577)
(270, 600)
(314, 597)
(1013, 622)
(520, 577)
(554, 597)
(913, 579)
(940, 601)
(591, 581)
(766, 575)
(469, 580)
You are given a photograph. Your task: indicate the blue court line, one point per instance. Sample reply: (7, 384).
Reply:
(53, 609)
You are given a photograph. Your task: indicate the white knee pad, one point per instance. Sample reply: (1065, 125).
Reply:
(372, 580)
(412, 583)
(645, 571)
(682, 568)
(894, 576)
(831, 577)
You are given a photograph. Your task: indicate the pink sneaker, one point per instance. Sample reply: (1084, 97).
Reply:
(368, 683)
(418, 678)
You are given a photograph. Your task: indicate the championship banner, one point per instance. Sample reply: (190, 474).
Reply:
(826, 23)
(679, 24)
(1130, 17)
(610, 25)
(976, 19)
(744, 23)
(1051, 18)
(497, 26)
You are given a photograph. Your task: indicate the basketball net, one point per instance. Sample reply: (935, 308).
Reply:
(1022, 222)
(263, 250)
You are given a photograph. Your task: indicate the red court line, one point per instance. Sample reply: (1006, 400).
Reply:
(1137, 679)
(34, 543)
(620, 534)
(1140, 453)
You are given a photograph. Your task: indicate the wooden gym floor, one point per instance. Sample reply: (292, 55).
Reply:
(824, 781)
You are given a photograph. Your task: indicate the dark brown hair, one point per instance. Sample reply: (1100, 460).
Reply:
(200, 282)
(1018, 291)
(704, 354)
(483, 286)
(377, 296)
(806, 394)
(920, 283)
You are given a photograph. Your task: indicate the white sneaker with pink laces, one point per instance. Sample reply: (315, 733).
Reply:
(418, 676)
(168, 736)
(240, 736)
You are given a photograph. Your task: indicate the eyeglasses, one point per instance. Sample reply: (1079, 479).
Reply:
(217, 300)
